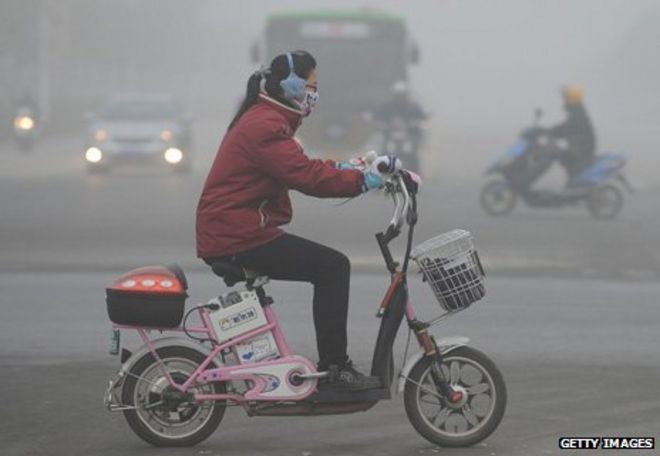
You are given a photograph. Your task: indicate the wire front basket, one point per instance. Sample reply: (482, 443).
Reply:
(450, 264)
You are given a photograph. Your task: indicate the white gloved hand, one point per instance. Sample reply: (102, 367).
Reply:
(362, 163)
(372, 162)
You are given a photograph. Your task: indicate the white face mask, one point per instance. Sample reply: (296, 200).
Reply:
(308, 102)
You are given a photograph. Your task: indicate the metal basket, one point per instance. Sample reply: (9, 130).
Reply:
(450, 264)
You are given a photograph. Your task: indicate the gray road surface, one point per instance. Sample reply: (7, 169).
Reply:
(580, 358)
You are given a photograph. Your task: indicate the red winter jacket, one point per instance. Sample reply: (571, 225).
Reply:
(246, 194)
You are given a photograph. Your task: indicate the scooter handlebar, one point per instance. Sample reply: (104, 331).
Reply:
(395, 184)
(396, 187)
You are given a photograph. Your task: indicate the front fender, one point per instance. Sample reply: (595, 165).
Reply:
(445, 345)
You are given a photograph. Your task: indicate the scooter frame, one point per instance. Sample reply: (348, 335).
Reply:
(304, 378)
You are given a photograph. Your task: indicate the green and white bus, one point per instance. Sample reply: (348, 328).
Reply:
(360, 56)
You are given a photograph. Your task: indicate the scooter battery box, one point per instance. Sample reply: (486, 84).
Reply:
(239, 312)
(258, 348)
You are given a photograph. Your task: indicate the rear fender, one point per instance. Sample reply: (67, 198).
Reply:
(111, 399)
(605, 167)
(445, 345)
(172, 341)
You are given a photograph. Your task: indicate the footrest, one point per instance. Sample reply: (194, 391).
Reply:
(368, 395)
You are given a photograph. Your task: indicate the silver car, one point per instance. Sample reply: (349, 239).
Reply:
(131, 129)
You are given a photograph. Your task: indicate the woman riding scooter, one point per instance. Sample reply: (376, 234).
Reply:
(245, 200)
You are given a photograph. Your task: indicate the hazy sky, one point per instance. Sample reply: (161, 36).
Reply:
(478, 54)
(486, 64)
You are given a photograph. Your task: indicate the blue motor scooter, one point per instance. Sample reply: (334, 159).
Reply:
(598, 185)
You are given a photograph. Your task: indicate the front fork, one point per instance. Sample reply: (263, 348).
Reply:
(427, 342)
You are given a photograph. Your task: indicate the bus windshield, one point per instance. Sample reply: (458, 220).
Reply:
(359, 57)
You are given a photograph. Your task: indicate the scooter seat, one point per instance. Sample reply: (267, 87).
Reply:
(231, 272)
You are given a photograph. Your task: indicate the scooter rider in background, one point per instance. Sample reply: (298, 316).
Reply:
(246, 199)
(577, 131)
(401, 105)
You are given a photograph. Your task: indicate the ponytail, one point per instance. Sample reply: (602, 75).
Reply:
(279, 70)
(251, 95)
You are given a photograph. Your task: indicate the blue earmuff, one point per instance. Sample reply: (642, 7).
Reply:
(293, 85)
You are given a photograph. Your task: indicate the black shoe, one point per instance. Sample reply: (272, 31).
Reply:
(346, 378)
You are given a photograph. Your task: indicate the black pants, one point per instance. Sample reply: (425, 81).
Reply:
(575, 161)
(293, 258)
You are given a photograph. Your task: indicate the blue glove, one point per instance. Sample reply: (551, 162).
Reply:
(371, 181)
(344, 165)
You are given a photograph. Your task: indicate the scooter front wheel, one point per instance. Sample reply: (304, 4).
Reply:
(162, 416)
(466, 421)
(497, 198)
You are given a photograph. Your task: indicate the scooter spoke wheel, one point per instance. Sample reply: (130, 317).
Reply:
(605, 202)
(472, 415)
(497, 198)
(164, 417)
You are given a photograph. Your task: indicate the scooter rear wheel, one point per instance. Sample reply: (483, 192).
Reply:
(464, 422)
(497, 198)
(605, 201)
(157, 418)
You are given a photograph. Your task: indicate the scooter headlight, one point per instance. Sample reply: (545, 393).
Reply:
(93, 155)
(173, 155)
(24, 123)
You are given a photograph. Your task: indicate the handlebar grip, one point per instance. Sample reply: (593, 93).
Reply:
(383, 167)
(387, 164)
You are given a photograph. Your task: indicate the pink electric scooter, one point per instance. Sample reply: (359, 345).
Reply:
(174, 390)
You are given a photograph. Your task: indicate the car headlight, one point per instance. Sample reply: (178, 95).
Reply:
(166, 135)
(100, 135)
(93, 155)
(24, 123)
(173, 155)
